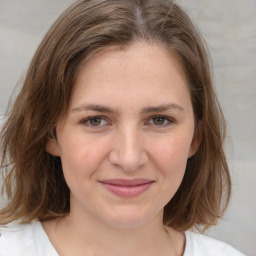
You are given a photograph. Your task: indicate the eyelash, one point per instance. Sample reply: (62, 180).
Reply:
(86, 121)
(167, 121)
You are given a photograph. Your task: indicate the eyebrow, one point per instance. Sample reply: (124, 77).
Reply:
(146, 110)
(93, 107)
(162, 108)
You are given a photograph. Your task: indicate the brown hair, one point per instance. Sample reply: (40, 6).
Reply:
(34, 182)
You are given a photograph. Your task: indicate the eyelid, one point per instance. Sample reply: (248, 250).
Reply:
(170, 120)
(85, 120)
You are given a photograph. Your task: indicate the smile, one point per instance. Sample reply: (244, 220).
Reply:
(127, 188)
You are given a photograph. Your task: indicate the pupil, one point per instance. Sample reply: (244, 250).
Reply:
(158, 120)
(95, 121)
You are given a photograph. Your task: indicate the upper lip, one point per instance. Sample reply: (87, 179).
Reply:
(124, 182)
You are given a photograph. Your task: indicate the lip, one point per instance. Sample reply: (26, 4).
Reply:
(127, 188)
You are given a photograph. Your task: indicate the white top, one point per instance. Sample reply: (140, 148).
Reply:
(31, 240)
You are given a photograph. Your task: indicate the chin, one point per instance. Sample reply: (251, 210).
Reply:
(129, 219)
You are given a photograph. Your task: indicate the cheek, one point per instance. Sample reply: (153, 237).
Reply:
(81, 159)
(171, 156)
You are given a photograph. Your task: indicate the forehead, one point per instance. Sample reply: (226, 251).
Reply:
(136, 53)
(138, 71)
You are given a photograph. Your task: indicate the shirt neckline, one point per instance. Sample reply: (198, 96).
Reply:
(40, 233)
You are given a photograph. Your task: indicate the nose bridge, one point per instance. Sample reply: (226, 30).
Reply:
(131, 143)
(128, 151)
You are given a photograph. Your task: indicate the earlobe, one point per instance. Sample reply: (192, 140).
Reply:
(196, 141)
(52, 147)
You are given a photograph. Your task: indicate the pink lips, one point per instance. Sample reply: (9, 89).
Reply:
(127, 188)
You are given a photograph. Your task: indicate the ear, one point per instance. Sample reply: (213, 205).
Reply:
(52, 147)
(196, 141)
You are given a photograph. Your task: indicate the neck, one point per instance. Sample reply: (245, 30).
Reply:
(89, 236)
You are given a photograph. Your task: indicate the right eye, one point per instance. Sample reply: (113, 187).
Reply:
(94, 121)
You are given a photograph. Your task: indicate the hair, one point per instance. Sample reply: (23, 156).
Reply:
(33, 179)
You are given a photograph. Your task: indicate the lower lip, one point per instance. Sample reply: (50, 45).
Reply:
(127, 191)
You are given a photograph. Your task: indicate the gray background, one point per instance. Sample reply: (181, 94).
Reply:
(229, 27)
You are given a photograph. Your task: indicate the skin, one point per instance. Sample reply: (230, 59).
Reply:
(123, 139)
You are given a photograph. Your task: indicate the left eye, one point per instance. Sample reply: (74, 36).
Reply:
(160, 121)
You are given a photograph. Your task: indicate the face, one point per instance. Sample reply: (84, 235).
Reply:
(127, 136)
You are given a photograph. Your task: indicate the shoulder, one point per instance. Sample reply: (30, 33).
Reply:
(15, 238)
(23, 240)
(200, 245)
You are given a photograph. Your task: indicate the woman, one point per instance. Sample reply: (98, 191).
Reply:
(114, 146)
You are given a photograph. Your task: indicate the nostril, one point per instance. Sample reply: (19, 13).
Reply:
(128, 162)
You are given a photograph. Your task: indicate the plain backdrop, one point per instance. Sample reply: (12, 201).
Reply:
(229, 27)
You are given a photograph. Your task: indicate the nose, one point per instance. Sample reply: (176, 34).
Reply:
(128, 152)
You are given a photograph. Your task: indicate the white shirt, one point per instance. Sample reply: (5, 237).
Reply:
(31, 240)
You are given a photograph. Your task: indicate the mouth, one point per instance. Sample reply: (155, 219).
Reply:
(127, 188)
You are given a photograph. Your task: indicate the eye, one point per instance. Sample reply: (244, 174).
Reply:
(95, 121)
(160, 121)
